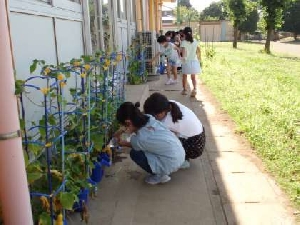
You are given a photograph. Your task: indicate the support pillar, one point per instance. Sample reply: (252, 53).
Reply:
(14, 193)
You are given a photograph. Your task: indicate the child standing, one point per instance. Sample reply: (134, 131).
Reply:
(171, 52)
(191, 54)
(154, 148)
(180, 120)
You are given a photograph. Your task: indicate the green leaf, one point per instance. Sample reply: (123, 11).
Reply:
(19, 87)
(86, 58)
(22, 124)
(42, 121)
(67, 200)
(33, 66)
(52, 95)
(52, 120)
(68, 74)
(35, 149)
(44, 219)
(26, 159)
(59, 98)
(42, 132)
(32, 177)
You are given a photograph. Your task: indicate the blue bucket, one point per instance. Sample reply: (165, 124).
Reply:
(162, 68)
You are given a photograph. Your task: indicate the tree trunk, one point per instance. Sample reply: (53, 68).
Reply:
(295, 36)
(235, 37)
(268, 41)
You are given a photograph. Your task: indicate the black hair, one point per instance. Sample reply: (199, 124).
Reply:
(129, 111)
(173, 34)
(137, 104)
(168, 33)
(158, 103)
(188, 35)
(188, 29)
(162, 39)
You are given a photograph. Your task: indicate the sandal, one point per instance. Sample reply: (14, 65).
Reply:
(184, 92)
(193, 93)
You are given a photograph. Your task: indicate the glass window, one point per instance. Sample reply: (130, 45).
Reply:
(77, 1)
(47, 1)
(133, 10)
(121, 9)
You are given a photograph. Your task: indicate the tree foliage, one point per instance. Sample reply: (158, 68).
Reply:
(238, 12)
(273, 17)
(291, 17)
(250, 23)
(215, 11)
(185, 3)
(186, 14)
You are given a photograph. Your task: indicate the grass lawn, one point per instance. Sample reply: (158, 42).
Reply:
(262, 94)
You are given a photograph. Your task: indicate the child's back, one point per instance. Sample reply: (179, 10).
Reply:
(162, 148)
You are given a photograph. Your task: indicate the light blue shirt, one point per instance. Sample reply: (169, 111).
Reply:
(162, 148)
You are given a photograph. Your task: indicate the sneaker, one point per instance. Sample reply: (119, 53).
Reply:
(174, 81)
(157, 179)
(184, 92)
(193, 93)
(168, 82)
(185, 165)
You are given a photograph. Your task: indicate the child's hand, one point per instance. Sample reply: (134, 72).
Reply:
(124, 144)
(119, 132)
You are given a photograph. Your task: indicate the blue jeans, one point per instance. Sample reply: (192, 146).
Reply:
(140, 159)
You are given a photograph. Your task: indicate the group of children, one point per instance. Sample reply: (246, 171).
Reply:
(164, 137)
(181, 50)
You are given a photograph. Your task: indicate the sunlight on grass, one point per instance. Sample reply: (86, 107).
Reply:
(262, 94)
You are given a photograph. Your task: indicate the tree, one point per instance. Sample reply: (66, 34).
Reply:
(250, 23)
(238, 11)
(273, 17)
(186, 14)
(292, 19)
(215, 11)
(185, 3)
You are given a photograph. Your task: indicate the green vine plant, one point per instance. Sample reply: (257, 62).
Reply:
(137, 73)
(82, 143)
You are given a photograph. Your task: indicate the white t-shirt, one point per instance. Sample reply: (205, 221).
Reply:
(170, 52)
(189, 126)
(190, 49)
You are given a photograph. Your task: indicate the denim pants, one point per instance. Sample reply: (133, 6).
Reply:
(140, 159)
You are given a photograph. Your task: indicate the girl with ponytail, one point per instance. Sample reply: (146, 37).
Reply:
(191, 60)
(154, 148)
(180, 120)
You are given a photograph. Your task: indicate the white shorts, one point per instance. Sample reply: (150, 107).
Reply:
(191, 67)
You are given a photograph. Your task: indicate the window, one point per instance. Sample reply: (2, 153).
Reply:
(121, 9)
(133, 10)
(167, 21)
(47, 1)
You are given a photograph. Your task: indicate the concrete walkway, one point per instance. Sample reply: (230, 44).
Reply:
(227, 185)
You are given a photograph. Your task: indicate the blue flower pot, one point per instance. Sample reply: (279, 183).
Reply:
(97, 172)
(82, 197)
(104, 159)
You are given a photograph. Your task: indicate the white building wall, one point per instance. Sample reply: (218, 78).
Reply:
(50, 32)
